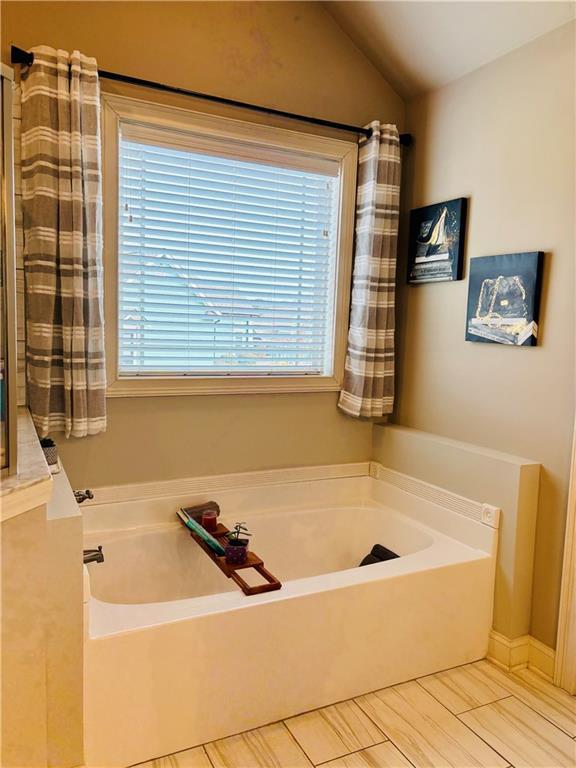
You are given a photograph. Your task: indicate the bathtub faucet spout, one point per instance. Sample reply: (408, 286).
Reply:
(93, 555)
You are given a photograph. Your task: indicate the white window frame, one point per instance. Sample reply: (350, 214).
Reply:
(121, 110)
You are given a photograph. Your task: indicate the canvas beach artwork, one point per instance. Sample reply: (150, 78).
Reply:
(504, 298)
(436, 244)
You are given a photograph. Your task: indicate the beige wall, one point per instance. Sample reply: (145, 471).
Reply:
(288, 55)
(504, 137)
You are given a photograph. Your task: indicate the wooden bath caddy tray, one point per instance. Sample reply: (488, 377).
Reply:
(232, 571)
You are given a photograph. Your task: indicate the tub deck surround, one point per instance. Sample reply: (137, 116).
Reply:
(64, 625)
(199, 487)
(510, 482)
(171, 640)
(42, 616)
(23, 567)
(31, 485)
(126, 506)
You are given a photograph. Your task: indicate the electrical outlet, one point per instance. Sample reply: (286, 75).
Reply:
(490, 515)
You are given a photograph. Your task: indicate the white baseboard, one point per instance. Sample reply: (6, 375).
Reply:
(510, 654)
(542, 658)
(521, 652)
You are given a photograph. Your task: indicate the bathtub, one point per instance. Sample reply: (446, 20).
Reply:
(176, 655)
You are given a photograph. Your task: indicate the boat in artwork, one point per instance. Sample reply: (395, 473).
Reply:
(433, 259)
(433, 243)
(436, 244)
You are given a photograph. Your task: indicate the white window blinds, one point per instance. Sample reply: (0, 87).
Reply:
(226, 265)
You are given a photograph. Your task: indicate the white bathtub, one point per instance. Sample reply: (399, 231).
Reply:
(176, 655)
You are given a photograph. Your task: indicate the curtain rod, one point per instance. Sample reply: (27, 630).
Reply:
(22, 57)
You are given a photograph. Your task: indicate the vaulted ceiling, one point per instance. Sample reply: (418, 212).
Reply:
(420, 46)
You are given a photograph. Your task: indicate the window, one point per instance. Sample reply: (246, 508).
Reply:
(230, 261)
(225, 266)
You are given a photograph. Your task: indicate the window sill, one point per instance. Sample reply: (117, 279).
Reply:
(233, 385)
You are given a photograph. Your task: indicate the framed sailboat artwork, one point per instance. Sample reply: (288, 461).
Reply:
(436, 245)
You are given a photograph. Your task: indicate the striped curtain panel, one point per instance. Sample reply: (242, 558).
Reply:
(368, 388)
(62, 212)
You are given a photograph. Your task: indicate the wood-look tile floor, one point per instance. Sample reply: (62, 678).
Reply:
(475, 716)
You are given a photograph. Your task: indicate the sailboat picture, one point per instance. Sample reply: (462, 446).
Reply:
(437, 242)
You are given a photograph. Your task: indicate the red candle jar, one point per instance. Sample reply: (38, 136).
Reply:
(210, 520)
